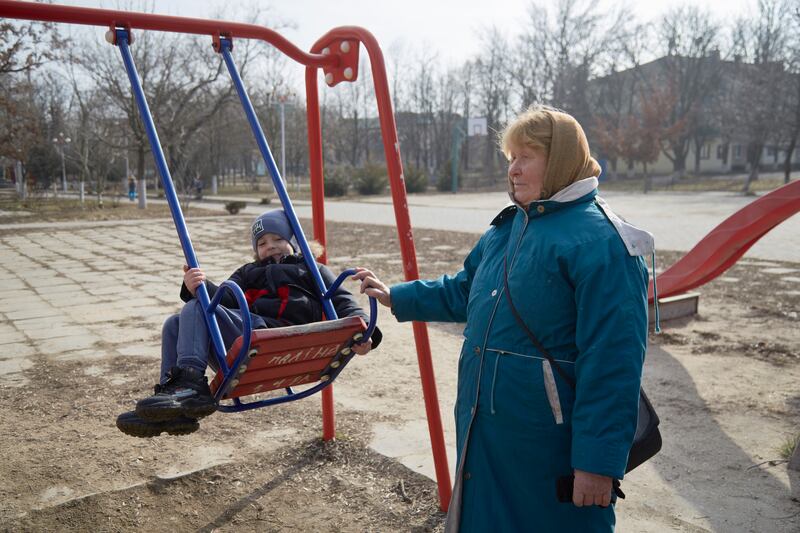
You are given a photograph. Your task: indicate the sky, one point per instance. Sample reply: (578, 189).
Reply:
(448, 27)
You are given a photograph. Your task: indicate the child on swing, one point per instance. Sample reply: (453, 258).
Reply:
(280, 292)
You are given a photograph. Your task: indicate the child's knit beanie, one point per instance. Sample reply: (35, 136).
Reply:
(274, 221)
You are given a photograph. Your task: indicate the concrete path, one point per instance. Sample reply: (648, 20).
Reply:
(678, 220)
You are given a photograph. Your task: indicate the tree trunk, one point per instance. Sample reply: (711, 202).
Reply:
(613, 166)
(465, 152)
(140, 150)
(787, 163)
(697, 152)
(754, 167)
(679, 167)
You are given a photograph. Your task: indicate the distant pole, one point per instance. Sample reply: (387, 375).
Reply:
(455, 156)
(60, 141)
(20, 179)
(63, 171)
(283, 140)
(142, 191)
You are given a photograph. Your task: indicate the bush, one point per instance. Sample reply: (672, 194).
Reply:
(444, 182)
(415, 178)
(371, 179)
(337, 181)
(235, 206)
(266, 200)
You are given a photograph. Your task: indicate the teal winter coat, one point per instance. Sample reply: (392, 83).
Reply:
(519, 425)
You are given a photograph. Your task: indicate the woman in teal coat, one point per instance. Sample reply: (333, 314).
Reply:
(576, 277)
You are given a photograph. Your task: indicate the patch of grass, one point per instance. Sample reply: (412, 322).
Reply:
(57, 210)
(733, 183)
(787, 448)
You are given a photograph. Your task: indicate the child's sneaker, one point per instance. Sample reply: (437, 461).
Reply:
(131, 424)
(185, 393)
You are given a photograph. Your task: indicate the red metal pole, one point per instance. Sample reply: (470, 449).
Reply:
(147, 21)
(318, 215)
(391, 148)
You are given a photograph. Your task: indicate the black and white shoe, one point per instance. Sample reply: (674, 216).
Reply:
(131, 424)
(185, 394)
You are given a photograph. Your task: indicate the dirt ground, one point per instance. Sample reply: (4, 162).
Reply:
(725, 384)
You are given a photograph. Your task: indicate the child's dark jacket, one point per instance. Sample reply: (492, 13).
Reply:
(284, 293)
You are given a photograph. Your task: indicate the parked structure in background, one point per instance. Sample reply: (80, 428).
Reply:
(700, 115)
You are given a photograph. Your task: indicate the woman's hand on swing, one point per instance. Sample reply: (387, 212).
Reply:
(363, 348)
(372, 286)
(192, 278)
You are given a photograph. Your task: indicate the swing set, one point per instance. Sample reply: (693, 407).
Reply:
(281, 358)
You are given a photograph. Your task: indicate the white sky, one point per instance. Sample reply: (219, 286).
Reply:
(447, 26)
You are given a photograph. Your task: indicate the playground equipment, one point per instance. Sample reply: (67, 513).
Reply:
(725, 244)
(327, 347)
(336, 53)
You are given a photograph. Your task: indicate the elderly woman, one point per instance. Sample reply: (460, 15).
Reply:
(575, 278)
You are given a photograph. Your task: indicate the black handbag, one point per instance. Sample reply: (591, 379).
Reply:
(646, 440)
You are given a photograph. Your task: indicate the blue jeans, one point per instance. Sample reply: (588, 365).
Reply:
(185, 340)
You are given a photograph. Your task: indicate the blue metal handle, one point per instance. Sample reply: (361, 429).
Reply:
(290, 395)
(373, 303)
(166, 181)
(247, 326)
(225, 49)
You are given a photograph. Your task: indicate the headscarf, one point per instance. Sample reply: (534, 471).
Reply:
(569, 159)
(560, 135)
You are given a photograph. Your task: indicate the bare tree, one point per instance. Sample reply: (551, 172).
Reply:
(565, 45)
(790, 99)
(763, 41)
(466, 78)
(616, 95)
(24, 48)
(493, 89)
(688, 43)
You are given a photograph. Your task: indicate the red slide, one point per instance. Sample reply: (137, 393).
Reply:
(726, 243)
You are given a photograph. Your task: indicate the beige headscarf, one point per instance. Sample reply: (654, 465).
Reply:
(569, 159)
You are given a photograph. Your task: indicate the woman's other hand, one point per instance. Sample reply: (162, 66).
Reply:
(363, 348)
(372, 286)
(591, 489)
(192, 278)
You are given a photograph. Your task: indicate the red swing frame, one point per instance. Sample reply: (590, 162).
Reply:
(336, 53)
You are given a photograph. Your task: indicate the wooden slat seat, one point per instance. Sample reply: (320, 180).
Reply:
(290, 356)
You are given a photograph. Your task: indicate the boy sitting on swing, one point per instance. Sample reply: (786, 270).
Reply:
(280, 292)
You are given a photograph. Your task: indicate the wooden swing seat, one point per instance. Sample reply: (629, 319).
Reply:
(280, 358)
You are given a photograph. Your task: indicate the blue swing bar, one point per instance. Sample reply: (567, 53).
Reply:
(230, 372)
(122, 38)
(225, 47)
